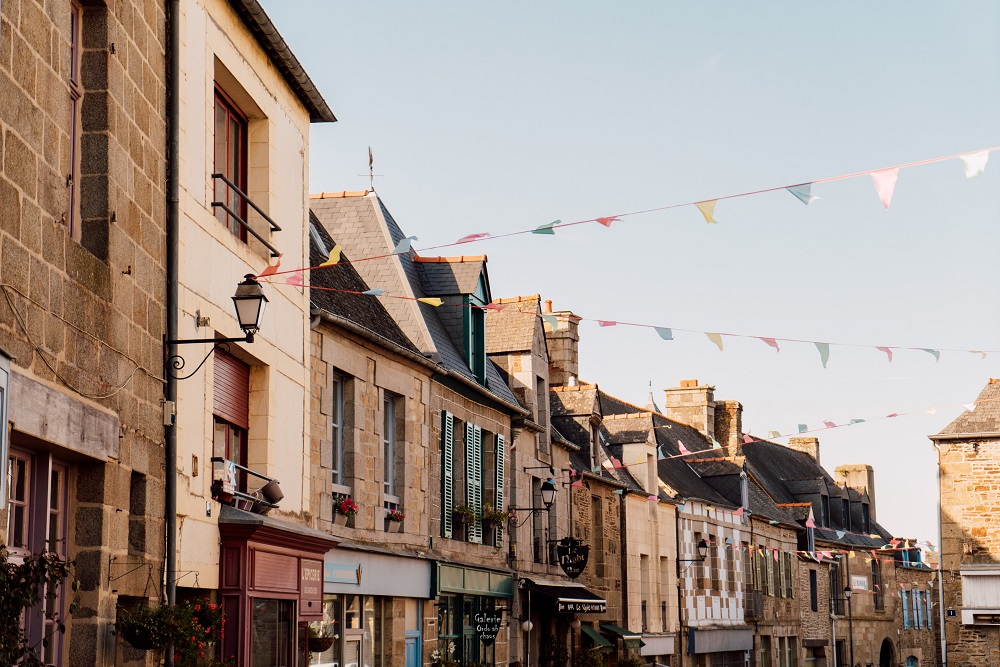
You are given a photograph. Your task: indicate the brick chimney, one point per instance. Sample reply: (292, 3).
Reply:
(564, 346)
(728, 426)
(808, 446)
(860, 477)
(693, 404)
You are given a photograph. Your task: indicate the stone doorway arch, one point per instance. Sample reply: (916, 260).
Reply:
(886, 655)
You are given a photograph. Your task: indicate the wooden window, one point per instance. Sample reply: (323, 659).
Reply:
(75, 119)
(904, 599)
(789, 575)
(499, 468)
(474, 479)
(447, 472)
(730, 556)
(18, 501)
(878, 597)
(813, 591)
(231, 161)
(337, 422)
(231, 411)
(56, 543)
(389, 443)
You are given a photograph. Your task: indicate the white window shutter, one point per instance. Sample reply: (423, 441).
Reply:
(447, 472)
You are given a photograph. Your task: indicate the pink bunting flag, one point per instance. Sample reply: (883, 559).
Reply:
(775, 553)
(295, 279)
(578, 482)
(826, 554)
(498, 307)
(682, 448)
(469, 238)
(738, 512)
(607, 323)
(747, 439)
(652, 497)
(271, 270)
(810, 523)
(891, 415)
(885, 184)
(770, 341)
(829, 424)
(615, 463)
(607, 221)
(887, 350)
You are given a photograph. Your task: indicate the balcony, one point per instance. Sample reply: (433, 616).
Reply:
(753, 604)
(225, 475)
(232, 188)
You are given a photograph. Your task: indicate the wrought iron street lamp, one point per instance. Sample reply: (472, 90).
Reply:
(702, 553)
(850, 620)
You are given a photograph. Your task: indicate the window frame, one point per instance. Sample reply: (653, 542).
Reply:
(73, 222)
(337, 424)
(233, 115)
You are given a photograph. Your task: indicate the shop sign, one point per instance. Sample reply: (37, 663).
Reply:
(488, 625)
(581, 606)
(572, 556)
(859, 582)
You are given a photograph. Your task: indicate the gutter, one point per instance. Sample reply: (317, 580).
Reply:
(964, 436)
(171, 301)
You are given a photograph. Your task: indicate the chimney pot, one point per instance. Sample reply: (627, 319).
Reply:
(689, 383)
(806, 445)
(548, 305)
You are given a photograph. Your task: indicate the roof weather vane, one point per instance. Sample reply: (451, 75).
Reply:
(371, 171)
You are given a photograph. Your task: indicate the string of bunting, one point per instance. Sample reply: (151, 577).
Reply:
(884, 180)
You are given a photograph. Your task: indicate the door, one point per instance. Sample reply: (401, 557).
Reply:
(413, 649)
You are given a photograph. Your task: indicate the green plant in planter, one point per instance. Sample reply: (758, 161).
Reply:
(146, 627)
(465, 514)
(631, 660)
(496, 516)
(192, 629)
(592, 658)
(22, 584)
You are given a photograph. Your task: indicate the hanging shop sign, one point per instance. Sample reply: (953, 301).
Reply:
(572, 556)
(488, 625)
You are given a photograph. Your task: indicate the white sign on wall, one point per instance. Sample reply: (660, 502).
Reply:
(859, 581)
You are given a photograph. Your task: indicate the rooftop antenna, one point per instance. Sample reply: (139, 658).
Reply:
(371, 171)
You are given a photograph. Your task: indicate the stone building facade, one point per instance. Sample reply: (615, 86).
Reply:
(82, 188)
(969, 460)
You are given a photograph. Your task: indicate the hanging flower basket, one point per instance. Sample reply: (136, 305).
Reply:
(320, 644)
(138, 637)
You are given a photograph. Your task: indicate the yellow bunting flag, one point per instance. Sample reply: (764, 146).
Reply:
(431, 301)
(334, 256)
(707, 209)
(715, 338)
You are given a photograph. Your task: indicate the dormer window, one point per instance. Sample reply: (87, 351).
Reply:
(865, 518)
(847, 514)
(825, 502)
(475, 331)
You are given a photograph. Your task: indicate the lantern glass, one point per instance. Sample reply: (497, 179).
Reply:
(548, 492)
(250, 302)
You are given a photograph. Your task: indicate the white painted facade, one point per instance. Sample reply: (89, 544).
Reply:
(217, 49)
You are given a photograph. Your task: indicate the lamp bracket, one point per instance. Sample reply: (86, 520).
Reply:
(177, 362)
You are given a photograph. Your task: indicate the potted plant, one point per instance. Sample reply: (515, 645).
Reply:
(394, 520)
(494, 518)
(444, 657)
(320, 639)
(463, 515)
(343, 510)
(145, 627)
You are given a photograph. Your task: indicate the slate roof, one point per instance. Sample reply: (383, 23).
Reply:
(774, 466)
(512, 329)
(984, 419)
(723, 475)
(365, 311)
(363, 225)
(443, 276)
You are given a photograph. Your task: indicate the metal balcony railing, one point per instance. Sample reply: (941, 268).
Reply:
(224, 490)
(240, 221)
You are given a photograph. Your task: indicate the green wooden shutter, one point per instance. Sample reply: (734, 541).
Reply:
(474, 479)
(500, 465)
(447, 471)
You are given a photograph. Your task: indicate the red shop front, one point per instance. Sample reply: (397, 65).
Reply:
(271, 587)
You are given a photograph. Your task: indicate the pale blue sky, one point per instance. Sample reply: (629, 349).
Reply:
(504, 116)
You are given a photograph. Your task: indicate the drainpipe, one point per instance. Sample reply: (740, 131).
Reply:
(680, 596)
(173, 203)
(624, 558)
(940, 567)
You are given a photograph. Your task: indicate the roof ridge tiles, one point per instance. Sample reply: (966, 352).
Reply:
(516, 299)
(343, 194)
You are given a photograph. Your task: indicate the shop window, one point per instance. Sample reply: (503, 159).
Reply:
(332, 625)
(231, 162)
(272, 632)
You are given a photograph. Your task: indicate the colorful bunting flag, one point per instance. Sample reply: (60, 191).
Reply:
(979, 352)
(772, 342)
(810, 523)
(715, 338)
(271, 270)
(855, 421)
(652, 497)
(295, 278)
(607, 323)
(974, 163)
(738, 512)
(707, 209)
(803, 428)
(607, 221)
(715, 443)
(546, 228)
(615, 463)
(498, 307)
(747, 439)
(377, 291)
(840, 534)
(934, 353)
(431, 301)
(774, 434)
(334, 257)
(969, 406)
(887, 350)
(469, 238)
(552, 321)
(772, 522)
(578, 482)
(619, 491)
(885, 184)
(824, 352)
(664, 333)
(829, 424)
(660, 456)
(595, 469)
(803, 193)
(404, 246)
(775, 554)
(682, 448)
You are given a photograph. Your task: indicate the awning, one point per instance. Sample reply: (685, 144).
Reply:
(570, 597)
(632, 640)
(596, 637)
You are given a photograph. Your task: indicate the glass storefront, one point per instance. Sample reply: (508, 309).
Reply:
(358, 624)
(272, 632)
(457, 629)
